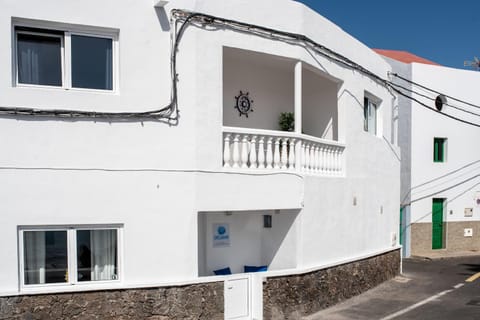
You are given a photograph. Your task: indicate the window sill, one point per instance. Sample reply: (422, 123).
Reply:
(78, 287)
(65, 89)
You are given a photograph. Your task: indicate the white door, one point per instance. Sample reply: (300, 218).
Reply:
(237, 298)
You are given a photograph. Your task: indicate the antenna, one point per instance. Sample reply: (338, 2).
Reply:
(474, 64)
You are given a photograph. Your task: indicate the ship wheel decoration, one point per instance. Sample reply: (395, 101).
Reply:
(243, 104)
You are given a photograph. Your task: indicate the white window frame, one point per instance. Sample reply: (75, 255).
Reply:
(71, 257)
(376, 102)
(66, 52)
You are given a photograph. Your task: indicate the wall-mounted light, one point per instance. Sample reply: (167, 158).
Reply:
(267, 220)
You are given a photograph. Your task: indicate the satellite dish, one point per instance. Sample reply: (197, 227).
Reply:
(440, 100)
(474, 64)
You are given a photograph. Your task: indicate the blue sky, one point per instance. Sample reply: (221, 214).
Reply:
(442, 31)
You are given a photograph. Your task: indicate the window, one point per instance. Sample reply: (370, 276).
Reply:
(63, 59)
(69, 255)
(39, 59)
(439, 149)
(369, 115)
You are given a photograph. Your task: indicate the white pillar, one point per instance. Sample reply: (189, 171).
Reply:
(298, 97)
(253, 152)
(244, 154)
(261, 154)
(269, 153)
(284, 154)
(291, 154)
(226, 151)
(276, 154)
(236, 151)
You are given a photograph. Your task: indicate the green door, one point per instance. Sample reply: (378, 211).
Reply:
(437, 223)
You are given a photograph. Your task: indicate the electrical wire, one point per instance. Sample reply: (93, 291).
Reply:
(447, 201)
(468, 165)
(296, 38)
(435, 91)
(171, 112)
(440, 191)
(435, 110)
(433, 99)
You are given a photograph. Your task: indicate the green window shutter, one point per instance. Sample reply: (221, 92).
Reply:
(439, 149)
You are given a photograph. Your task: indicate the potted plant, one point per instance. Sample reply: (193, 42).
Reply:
(286, 121)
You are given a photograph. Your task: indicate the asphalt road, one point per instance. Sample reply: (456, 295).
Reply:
(427, 289)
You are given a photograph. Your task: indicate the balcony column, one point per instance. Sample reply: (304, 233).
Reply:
(298, 97)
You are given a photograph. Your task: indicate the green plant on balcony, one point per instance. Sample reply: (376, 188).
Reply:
(286, 121)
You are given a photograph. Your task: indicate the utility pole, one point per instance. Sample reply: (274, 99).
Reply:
(475, 64)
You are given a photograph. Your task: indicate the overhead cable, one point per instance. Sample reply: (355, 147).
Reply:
(435, 91)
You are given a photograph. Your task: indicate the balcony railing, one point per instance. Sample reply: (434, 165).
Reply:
(257, 149)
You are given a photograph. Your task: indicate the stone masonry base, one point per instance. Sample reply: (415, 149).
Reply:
(284, 297)
(454, 239)
(291, 297)
(198, 301)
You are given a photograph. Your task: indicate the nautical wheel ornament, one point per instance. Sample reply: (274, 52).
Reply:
(243, 104)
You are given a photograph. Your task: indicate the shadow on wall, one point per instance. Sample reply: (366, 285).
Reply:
(241, 238)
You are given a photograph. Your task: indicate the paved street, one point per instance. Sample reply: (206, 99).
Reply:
(427, 289)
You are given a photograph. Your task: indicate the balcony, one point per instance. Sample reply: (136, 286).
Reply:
(256, 149)
(271, 86)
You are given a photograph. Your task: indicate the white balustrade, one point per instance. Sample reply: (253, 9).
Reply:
(253, 149)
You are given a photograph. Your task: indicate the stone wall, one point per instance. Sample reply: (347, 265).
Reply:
(199, 301)
(291, 297)
(454, 240)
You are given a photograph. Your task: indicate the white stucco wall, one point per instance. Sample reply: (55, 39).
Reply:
(461, 151)
(153, 178)
(320, 109)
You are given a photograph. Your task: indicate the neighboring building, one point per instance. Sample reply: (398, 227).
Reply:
(440, 189)
(131, 213)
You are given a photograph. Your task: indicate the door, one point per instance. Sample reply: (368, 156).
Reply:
(437, 223)
(237, 297)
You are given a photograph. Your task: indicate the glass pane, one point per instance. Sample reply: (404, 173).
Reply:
(365, 114)
(97, 255)
(39, 59)
(435, 150)
(45, 257)
(91, 62)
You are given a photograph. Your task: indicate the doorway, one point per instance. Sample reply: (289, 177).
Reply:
(437, 223)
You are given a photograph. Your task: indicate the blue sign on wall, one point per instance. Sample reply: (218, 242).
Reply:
(221, 235)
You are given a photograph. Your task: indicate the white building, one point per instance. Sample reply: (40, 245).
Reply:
(97, 200)
(440, 193)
